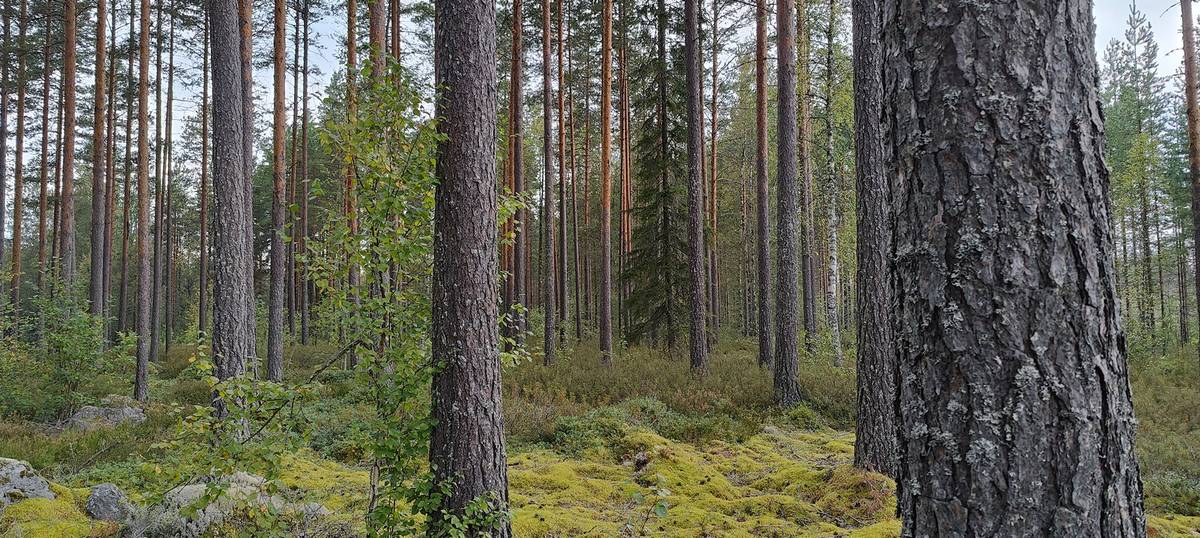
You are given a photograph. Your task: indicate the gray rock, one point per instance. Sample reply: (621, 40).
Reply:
(108, 503)
(182, 512)
(90, 417)
(18, 481)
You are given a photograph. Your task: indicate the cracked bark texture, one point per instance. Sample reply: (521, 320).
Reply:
(233, 285)
(695, 186)
(787, 302)
(1014, 407)
(875, 434)
(467, 442)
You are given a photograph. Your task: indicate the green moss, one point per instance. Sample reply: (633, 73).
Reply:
(1172, 525)
(61, 517)
(337, 487)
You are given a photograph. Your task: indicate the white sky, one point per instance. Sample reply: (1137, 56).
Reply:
(1164, 18)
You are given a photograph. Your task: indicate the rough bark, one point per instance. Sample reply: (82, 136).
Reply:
(141, 386)
(233, 300)
(762, 187)
(787, 392)
(1014, 406)
(695, 133)
(549, 292)
(67, 195)
(278, 216)
(467, 442)
(875, 434)
(605, 313)
(1193, 129)
(99, 169)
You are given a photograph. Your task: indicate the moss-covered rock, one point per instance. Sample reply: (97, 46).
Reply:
(60, 517)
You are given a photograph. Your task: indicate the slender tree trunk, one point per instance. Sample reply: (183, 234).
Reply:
(875, 439)
(233, 319)
(110, 185)
(466, 386)
(99, 169)
(156, 292)
(1028, 431)
(278, 216)
(44, 168)
(19, 161)
(549, 283)
(1193, 127)
(833, 286)
(144, 344)
(561, 262)
(576, 259)
(292, 295)
(203, 301)
(762, 185)
(667, 246)
(787, 391)
(305, 309)
(517, 135)
(126, 226)
(605, 314)
(695, 129)
(67, 232)
(5, 89)
(713, 280)
(56, 223)
(377, 30)
(168, 303)
(350, 200)
(808, 231)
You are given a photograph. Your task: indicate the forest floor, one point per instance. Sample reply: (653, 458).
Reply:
(642, 448)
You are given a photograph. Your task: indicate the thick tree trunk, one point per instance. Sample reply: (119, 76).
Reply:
(762, 187)
(549, 293)
(233, 301)
(278, 216)
(467, 442)
(377, 35)
(875, 433)
(99, 169)
(1193, 127)
(605, 313)
(67, 196)
(695, 142)
(144, 343)
(1014, 404)
(787, 391)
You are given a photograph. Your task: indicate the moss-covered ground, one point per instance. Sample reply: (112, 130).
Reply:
(643, 448)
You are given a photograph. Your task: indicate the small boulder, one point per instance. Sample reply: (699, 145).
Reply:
(90, 417)
(183, 513)
(108, 503)
(18, 481)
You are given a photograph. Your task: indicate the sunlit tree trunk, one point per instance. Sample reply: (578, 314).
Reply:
(1193, 130)
(605, 313)
(278, 216)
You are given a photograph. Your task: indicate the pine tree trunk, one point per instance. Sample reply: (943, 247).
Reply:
(44, 168)
(99, 169)
(67, 203)
(713, 280)
(19, 162)
(205, 105)
(1193, 130)
(467, 441)
(304, 309)
(762, 185)
(168, 182)
(144, 343)
(5, 89)
(605, 306)
(695, 179)
(516, 136)
(233, 318)
(110, 186)
(664, 179)
(156, 292)
(875, 434)
(550, 280)
(278, 216)
(349, 198)
(808, 233)
(561, 262)
(1026, 431)
(787, 391)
